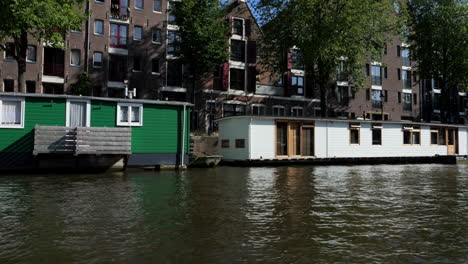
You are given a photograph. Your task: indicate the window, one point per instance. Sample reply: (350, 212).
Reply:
(225, 143)
(99, 27)
(281, 139)
(278, 111)
(137, 63)
(354, 134)
(376, 75)
(139, 4)
(32, 54)
(238, 50)
(11, 113)
(405, 54)
(434, 136)
(399, 74)
(415, 99)
(155, 66)
(376, 98)
(8, 86)
(240, 143)
(297, 111)
(30, 86)
(157, 7)
(377, 134)
(407, 102)
(97, 60)
(174, 73)
(398, 51)
(406, 76)
(297, 59)
(157, 36)
(233, 110)
(436, 101)
(367, 94)
(78, 113)
(258, 110)
(237, 81)
(138, 33)
(129, 114)
(399, 97)
(411, 135)
(297, 85)
(342, 95)
(10, 51)
(173, 39)
(118, 36)
(238, 27)
(75, 57)
(442, 136)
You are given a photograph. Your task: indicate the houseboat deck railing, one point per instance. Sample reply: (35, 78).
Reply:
(82, 140)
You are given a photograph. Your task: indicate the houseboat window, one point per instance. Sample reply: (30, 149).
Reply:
(78, 113)
(282, 139)
(297, 111)
(411, 135)
(434, 136)
(307, 140)
(258, 110)
(233, 110)
(377, 135)
(225, 143)
(450, 138)
(240, 143)
(129, 114)
(354, 134)
(12, 113)
(442, 136)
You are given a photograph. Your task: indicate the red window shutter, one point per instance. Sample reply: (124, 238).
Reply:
(252, 79)
(225, 76)
(252, 52)
(248, 27)
(290, 62)
(287, 92)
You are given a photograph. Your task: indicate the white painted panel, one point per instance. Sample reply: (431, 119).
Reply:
(463, 141)
(262, 139)
(321, 139)
(232, 129)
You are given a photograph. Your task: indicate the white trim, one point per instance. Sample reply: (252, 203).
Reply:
(376, 87)
(406, 68)
(88, 111)
(342, 83)
(52, 79)
(118, 51)
(172, 27)
(462, 93)
(376, 63)
(404, 45)
(234, 102)
(259, 105)
(115, 84)
(14, 126)
(129, 123)
(437, 91)
(407, 91)
(236, 65)
(242, 93)
(298, 72)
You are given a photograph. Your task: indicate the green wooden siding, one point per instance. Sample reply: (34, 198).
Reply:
(162, 125)
(42, 111)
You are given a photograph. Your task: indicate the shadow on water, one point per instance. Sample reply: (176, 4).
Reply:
(334, 214)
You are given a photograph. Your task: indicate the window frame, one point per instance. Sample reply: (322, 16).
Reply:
(279, 107)
(79, 58)
(354, 127)
(159, 33)
(35, 54)
(94, 59)
(259, 107)
(88, 111)
(102, 27)
(434, 130)
(129, 123)
(377, 127)
(240, 143)
(225, 143)
(243, 26)
(297, 108)
(160, 6)
(138, 7)
(411, 129)
(23, 106)
(152, 66)
(140, 39)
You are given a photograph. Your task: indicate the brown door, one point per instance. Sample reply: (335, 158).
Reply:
(307, 141)
(294, 139)
(451, 141)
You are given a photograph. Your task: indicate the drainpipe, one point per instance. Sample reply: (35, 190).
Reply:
(88, 26)
(183, 136)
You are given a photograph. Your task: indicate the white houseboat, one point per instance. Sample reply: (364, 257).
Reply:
(258, 138)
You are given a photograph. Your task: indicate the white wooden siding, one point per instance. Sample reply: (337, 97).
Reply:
(233, 129)
(463, 141)
(262, 139)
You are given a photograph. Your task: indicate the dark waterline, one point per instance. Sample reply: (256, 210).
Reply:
(336, 214)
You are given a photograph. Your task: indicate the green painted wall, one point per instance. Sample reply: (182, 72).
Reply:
(162, 125)
(43, 111)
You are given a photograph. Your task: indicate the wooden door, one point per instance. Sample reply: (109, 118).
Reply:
(451, 141)
(307, 141)
(294, 139)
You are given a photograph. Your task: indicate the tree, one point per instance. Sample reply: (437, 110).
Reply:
(438, 38)
(326, 32)
(83, 86)
(45, 20)
(204, 32)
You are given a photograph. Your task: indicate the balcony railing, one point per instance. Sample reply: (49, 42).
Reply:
(407, 61)
(119, 13)
(377, 80)
(54, 69)
(118, 42)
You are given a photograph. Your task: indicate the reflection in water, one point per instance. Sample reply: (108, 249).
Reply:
(336, 214)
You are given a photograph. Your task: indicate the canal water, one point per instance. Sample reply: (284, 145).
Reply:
(336, 214)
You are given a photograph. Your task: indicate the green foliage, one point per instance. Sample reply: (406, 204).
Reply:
(325, 31)
(438, 37)
(83, 86)
(204, 31)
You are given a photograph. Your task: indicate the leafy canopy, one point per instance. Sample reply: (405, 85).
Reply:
(438, 36)
(204, 31)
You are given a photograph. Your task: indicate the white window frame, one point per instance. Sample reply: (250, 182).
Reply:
(35, 55)
(88, 111)
(79, 58)
(129, 122)
(154, 7)
(95, 31)
(14, 126)
(279, 107)
(135, 35)
(235, 36)
(160, 36)
(142, 5)
(94, 53)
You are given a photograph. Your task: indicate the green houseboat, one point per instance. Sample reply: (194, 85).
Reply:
(39, 131)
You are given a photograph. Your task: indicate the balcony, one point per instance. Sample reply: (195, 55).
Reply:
(119, 12)
(407, 84)
(407, 61)
(342, 76)
(376, 80)
(118, 42)
(54, 69)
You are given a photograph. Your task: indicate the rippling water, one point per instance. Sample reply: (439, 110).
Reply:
(338, 214)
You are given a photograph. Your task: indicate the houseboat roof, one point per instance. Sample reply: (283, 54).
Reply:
(304, 119)
(76, 97)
